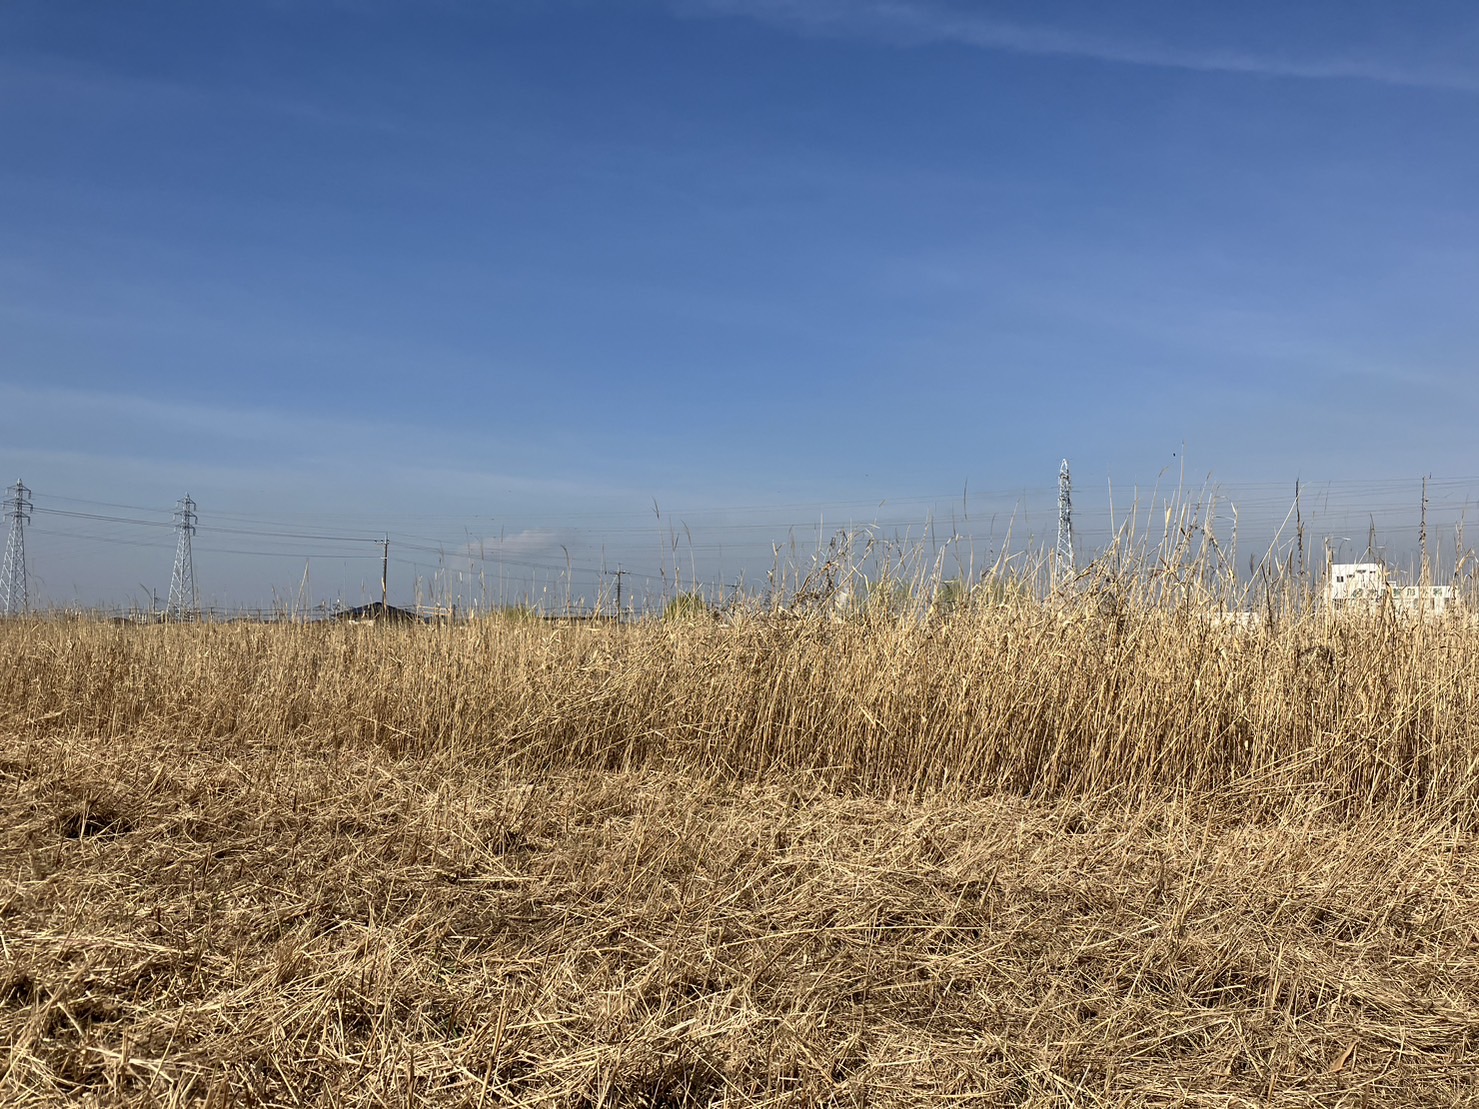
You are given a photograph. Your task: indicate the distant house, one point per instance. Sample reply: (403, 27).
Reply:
(1365, 587)
(377, 612)
(1362, 582)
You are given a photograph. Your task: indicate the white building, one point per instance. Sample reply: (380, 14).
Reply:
(1361, 582)
(1365, 587)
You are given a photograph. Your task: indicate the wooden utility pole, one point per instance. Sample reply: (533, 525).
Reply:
(384, 573)
(1299, 530)
(1424, 573)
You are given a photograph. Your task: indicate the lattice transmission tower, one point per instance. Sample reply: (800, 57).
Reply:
(1064, 555)
(183, 601)
(13, 598)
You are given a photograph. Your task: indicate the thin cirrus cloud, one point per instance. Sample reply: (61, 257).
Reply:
(529, 543)
(916, 24)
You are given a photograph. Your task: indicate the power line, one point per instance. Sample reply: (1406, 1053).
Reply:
(101, 518)
(156, 546)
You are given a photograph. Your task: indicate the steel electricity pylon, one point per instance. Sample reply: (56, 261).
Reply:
(1064, 554)
(183, 601)
(13, 598)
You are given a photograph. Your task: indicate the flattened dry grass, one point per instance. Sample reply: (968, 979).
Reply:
(732, 866)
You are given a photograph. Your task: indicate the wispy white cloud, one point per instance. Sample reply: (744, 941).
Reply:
(232, 447)
(528, 543)
(909, 23)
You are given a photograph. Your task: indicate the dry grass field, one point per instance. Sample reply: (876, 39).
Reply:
(1018, 856)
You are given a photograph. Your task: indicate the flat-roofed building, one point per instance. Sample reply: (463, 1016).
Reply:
(1366, 587)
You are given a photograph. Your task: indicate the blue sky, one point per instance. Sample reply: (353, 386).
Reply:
(512, 272)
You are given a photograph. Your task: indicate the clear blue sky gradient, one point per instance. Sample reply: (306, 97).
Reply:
(462, 270)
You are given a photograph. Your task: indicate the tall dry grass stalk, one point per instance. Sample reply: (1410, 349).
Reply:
(1072, 698)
